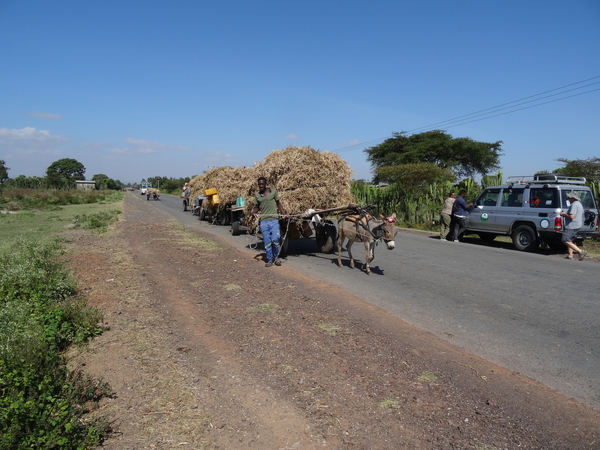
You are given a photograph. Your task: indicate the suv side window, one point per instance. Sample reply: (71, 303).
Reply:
(543, 198)
(512, 197)
(587, 199)
(489, 197)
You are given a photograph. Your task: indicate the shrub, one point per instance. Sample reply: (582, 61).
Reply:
(41, 402)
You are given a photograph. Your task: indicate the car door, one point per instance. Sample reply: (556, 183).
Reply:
(510, 208)
(483, 216)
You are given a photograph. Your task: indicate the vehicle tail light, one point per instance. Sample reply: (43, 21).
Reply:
(557, 224)
(597, 222)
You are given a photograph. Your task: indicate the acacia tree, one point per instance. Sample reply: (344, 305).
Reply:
(463, 156)
(64, 172)
(416, 178)
(588, 168)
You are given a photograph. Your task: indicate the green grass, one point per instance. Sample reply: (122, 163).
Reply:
(43, 223)
(42, 403)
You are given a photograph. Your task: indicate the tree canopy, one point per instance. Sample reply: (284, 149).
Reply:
(104, 182)
(168, 184)
(417, 178)
(463, 156)
(64, 172)
(588, 168)
(3, 171)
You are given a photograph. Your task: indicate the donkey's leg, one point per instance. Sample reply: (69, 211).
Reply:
(368, 256)
(339, 245)
(349, 248)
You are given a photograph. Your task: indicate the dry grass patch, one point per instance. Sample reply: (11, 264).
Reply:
(328, 328)
(265, 307)
(427, 377)
(389, 403)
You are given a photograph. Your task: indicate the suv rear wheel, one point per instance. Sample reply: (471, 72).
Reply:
(525, 239)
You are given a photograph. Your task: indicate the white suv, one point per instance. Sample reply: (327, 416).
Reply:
(528, 209)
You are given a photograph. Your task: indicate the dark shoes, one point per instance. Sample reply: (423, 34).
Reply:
(277, 262)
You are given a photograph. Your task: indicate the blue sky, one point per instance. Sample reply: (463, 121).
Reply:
(134, 89)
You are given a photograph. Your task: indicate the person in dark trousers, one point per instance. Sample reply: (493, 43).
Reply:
(459, 215)
(267, 201)
(573, 223)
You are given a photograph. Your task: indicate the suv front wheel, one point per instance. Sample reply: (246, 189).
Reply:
(525, 239)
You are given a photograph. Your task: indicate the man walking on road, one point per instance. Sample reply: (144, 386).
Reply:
(267, 201)
(573, 222)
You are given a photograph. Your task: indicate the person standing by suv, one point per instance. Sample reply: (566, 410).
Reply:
(446, 216)
(573, 223)
(459, 215)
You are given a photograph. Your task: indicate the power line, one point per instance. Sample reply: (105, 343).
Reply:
(519, 102)
(488, 113)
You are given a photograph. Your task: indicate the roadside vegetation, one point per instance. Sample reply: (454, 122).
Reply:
(42, 402)
(44, 213)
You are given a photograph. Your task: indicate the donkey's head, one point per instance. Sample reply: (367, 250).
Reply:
(387, 230)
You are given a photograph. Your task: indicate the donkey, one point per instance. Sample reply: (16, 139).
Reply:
(365, 228)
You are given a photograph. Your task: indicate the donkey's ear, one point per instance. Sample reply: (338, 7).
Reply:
(381, 216)
(394, 215)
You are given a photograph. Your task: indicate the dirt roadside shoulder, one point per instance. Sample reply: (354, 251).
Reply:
(206, 348)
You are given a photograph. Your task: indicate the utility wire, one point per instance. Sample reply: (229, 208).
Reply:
(490, 112)
(519, 102)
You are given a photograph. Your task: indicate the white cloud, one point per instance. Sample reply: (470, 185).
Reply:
(45, 115)
(29, 134)
(292, 136)
(143, 147)
(216, 158)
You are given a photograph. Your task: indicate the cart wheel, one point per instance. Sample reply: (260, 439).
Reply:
(235, 228)
(224, 218)
(326, 235)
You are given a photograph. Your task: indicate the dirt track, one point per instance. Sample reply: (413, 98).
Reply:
(198, 360)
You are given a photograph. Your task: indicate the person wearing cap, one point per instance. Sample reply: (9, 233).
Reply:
(573, 223)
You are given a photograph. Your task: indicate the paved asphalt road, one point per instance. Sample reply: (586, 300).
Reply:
(533, 313)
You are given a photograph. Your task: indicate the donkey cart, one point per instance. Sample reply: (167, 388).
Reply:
(313, 222)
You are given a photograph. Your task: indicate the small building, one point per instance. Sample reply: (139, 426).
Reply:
(85, 185)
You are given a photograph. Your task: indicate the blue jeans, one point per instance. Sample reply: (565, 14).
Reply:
(271, 235)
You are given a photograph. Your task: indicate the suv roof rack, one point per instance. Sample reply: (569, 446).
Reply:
(546, 178)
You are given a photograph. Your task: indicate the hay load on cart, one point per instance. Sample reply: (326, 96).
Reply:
(306, 180)
(227, 183)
